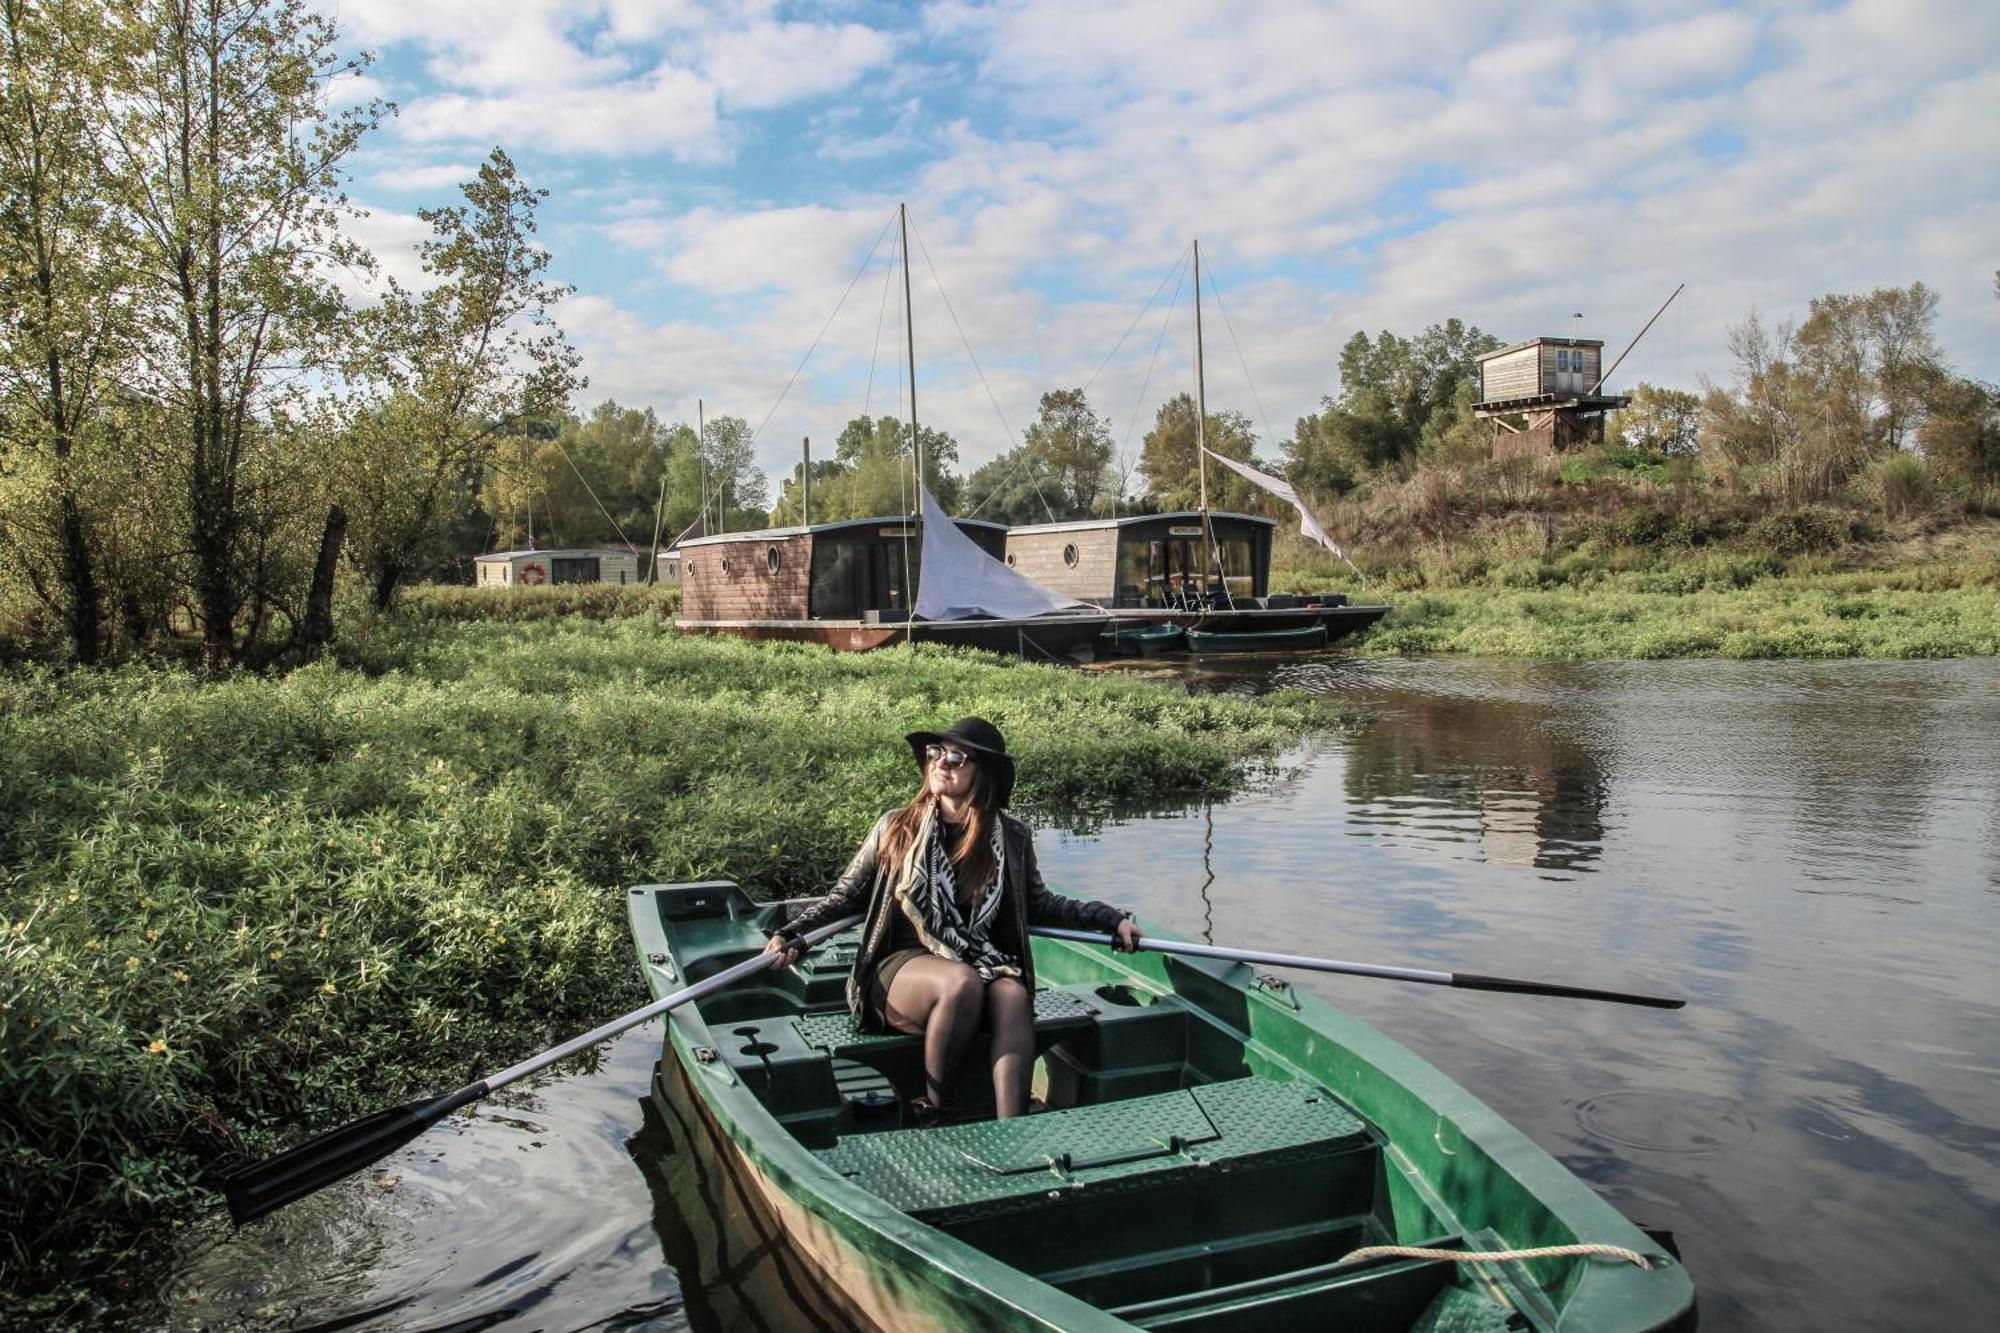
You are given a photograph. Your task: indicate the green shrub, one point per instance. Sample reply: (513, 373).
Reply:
(233, 912)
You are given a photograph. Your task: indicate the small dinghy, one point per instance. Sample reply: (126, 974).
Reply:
(1217, 1151)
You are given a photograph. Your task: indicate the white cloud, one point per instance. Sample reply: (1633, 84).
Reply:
(774, 64)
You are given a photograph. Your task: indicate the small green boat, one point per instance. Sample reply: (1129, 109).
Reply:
(1215, 1143)
(1300, 639)
(1141, 640)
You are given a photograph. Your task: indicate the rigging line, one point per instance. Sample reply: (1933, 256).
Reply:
(1216, 289)
(965, 341)
(593, 495)
(823, 328)
(1178, 265)
(875, 355)
(1166, 320)
(925, 251)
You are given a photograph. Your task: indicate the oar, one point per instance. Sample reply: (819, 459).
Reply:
(1463, 980)
(260, 1187)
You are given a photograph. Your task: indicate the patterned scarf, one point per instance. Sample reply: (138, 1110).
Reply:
(928, 893)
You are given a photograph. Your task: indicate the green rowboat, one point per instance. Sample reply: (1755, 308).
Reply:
(1256, 641)
(1214, 1144)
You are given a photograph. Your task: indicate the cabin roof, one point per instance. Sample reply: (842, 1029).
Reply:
(552, 551)
(1092, 524)
(1550, 342)
(765, 534)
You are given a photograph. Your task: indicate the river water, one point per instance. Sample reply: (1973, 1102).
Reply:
(1808, 852)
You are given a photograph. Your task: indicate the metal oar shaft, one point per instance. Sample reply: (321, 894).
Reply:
(1462, 980)
(686, 995)
(263, 1186)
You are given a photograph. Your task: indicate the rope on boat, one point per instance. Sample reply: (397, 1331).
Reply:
(1496, 1256)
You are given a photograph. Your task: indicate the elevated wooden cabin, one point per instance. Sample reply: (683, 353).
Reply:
(828, 571)
(531, 568)
(1149, 560)
(1542, 395)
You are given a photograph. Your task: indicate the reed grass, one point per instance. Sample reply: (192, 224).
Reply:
(236, 911)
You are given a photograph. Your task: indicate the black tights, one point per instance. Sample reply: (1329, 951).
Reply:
(947, 1002)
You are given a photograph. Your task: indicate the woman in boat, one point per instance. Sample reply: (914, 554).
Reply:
(949, 886)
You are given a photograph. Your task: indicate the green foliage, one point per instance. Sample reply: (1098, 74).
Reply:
(1657, 424)
(872, 473)
(234, 912)
(1171, 463)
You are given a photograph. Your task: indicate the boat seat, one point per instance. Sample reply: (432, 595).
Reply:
(962, 1173)
(834, 1032)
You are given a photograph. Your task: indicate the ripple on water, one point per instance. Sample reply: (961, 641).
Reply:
(1675, 1122)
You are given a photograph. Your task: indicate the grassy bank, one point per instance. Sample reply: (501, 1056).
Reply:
(1635, 581)
(237, 910)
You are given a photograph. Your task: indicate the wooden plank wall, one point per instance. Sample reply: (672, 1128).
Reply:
(747, 590)
(1511, 376)
(1039, 556)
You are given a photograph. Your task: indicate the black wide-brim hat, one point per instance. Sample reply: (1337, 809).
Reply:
(978, 738)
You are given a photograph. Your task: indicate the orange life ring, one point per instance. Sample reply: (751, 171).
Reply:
(532, 574)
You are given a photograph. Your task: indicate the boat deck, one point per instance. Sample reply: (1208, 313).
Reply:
(1202, 1162)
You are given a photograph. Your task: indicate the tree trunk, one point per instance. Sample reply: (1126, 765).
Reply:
(386, 580)
(318, 629)
(85, 616)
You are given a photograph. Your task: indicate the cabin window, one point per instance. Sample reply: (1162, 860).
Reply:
(1562, 358)
(574, 569)
(1069, 554)
(772, 559)
(725, 564)
(1010, 558)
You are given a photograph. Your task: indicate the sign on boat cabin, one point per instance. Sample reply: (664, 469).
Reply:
(829, 571)
(1152, 560)
(528, 569)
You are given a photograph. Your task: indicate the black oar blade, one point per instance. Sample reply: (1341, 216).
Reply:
(261, 1187)
(1473, 981)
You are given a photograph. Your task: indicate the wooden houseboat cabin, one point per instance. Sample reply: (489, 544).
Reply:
(1151, 560)
(528, 569)
(1543, 395)
(843, 583)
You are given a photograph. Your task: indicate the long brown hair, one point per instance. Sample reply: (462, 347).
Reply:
(972, 859)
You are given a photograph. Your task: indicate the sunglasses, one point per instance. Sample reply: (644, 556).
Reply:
(949, 756)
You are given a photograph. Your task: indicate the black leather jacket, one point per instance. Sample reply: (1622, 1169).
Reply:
(869, 880)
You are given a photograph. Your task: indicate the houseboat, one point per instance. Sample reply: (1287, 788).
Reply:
(852, 585)
(1160, 569)
(532, 568)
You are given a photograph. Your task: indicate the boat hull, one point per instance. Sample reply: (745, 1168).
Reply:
(1038, 638)
(1436, 1161)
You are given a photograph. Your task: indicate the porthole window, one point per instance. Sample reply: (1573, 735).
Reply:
(1010, 558)
(772, 559)
(725, 564)
(1069, 555)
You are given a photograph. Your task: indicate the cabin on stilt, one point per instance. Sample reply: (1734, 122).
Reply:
(1542, 396)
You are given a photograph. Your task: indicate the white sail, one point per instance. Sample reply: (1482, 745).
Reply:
(958, 580)
(1284, 491)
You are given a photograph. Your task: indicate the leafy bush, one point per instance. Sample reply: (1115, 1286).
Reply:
(1805, 529)
(239, 910)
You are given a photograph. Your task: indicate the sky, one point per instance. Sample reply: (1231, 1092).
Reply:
(719, 176)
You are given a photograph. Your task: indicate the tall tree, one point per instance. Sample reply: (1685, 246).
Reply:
(63, 287)
(1661, 422)
(874, 454)
(1074, 446)
(1015, 488)
(1171, 465)
(229, 163)
(739, 493)
(457, 367)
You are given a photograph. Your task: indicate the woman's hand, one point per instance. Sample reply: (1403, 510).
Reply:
(789, 954)
(1126, 938)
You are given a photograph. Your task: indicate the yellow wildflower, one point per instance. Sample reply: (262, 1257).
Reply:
(157, 1048)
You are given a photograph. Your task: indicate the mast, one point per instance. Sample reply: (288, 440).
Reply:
(701, 458)
(916, 441)
(806, 481)
(910, 343)
(1201, 425)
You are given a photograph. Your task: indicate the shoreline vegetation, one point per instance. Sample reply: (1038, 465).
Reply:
(241, 910)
